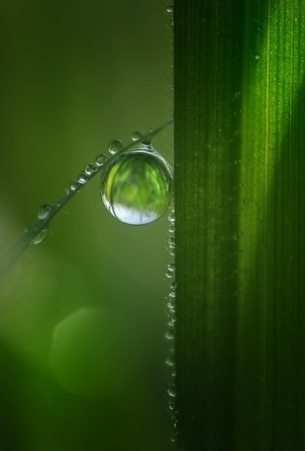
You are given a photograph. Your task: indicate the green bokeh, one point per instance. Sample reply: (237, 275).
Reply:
(74, 76)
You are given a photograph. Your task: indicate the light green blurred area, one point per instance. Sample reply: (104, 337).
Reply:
(81, 315)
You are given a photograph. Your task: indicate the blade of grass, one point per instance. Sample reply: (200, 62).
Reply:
(239, 194)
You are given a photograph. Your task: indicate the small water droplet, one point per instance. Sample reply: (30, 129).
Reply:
(41, 236)
(174, 373)
(171, 218)
(171, 323)
(90, 168)
(173, 439)
(170, 361)
(172, 294)
(170, 9)
(257, 57)
(74, 186)
(171, 267)
(136, 187)
(171, 229)
(171, 405)
(115, 146)
(82, 178)
(136, 135)
(169, 274)
(44, 211)
(172, 392)
(171, 242)
(170, 334)
(100, 159)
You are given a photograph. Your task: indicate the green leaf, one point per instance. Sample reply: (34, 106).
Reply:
(240, 221)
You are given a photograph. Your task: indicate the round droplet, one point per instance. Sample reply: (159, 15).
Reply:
(172, 295)
(174, 373)
(41, 236)
(169, 274)
(100, 159)
(74, 186)
(136, 135)
(172, 392)
(82, 178)
(171, 405)
(171, 229)
(170, 9)
(171, 218)
(136, 187)
(171, 267)
(170, 361)
(171, 323)
(115, 146)
(171, 242)
(173, 439)
(44, 211)
(170, 334)
(90, 168)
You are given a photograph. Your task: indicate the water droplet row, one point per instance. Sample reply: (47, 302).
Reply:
(171, 324)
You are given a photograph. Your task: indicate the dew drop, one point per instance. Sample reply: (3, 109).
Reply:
(82, 178)
(171, 229)
(170, 9)
(171, 323)
(74, 186)
(41, 236)
(169, 274)
(171, 267)
(90, 169)
(170, 361)
(171, 217)
(100, 159)
(115, 146)
(172, 295)
(173, 439)
(136, 186)
(257, 57)
(44, 211)
(172, 392)
(170, 334)
(171, 405)
(174, 373)
(136, 135)
(171, 243)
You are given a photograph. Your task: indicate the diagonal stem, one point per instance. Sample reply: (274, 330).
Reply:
(15, 250)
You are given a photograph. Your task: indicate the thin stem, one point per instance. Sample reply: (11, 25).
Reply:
(11, 254)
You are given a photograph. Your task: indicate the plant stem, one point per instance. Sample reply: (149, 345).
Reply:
(10, 255)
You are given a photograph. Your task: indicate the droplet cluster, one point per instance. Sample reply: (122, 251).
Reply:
(136, 185)
(171, 325)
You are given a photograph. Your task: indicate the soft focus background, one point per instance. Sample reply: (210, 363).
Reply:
(82, 314)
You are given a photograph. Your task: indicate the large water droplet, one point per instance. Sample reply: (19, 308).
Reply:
(41, 236)
(169, 8)
(44, 211)
(115, 146)
(136, 186)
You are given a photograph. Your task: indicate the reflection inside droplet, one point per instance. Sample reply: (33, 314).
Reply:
(136, 187)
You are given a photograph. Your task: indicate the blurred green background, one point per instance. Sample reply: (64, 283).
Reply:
(81, 315)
